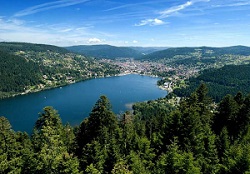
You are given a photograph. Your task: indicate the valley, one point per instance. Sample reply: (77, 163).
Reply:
(125, 87)
(198, 126)
(56, 66)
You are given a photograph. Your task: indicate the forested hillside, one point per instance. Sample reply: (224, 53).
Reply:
(20, 46)
(148, 50)
(226, 80)
(29, 67)
(197, 56)
(198, 51)
(193, 137)
(17, 73)
(105, 51)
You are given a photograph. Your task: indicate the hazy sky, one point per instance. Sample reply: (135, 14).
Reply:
(172, 23)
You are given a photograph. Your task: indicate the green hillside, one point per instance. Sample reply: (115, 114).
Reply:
(227, 80)
(193, 56)
(105, 51)
(148, 50)
(193, 137)
(16, 73)
(33, 67)
(171, 53)
(20, 46)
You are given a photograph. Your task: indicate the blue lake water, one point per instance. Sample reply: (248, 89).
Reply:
(74, 102)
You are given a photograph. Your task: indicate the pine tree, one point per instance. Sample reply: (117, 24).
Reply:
(243, 118)
(7, 146)
(176, 161)
(15, 149)
(99, 131)
(51, 153)
(227, 117)
(101, 116)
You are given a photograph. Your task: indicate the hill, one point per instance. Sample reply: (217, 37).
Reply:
(200, 55)
(226, 80)
(201, 51)
(29, 67)
(113, 52)
(17, 73)
(148, 50)
(105, 51)
(19, 46)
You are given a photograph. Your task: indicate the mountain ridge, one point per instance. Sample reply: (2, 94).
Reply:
(204, 50)
(112, 52)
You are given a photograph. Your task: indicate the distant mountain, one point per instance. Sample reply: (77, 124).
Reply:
(171, 53)
(113, 52)
(105, 51)
(19, 46)
(148, 50)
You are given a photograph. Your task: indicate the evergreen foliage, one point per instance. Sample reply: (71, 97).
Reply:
(105, 51)
(196, 136)
(208, 53)
(16, 73)
(229, 79)
(26, 67)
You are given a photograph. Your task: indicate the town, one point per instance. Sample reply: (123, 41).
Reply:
(172, 76)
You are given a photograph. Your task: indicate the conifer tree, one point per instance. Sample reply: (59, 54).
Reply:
(15, 149)
(51, 153)
(176, 161)
(227, 117)
(99, 131)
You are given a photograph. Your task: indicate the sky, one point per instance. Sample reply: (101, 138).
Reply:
(168, 23)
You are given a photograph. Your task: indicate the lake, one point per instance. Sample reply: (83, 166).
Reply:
(74, 102)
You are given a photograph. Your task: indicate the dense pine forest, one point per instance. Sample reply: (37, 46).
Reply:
(226, 80)
(194, 136)
(17, 73)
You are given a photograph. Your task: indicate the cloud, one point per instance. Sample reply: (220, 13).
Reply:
(118, 7)
(65, 30)
(57, 34)
(237, 4)
(151, 22)
(133, 5)
(135, 41)
(94, 40)
(175, 9)
(48, 6)
(167, 12)
(16, 21)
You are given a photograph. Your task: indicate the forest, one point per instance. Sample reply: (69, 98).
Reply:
(194, 136)
(197, 52)
(26, 67)
(229, 79)
(17, 46)
(105, 51)
(17, 73)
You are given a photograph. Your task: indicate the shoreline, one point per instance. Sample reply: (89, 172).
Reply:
(43, 89)
(77, 81)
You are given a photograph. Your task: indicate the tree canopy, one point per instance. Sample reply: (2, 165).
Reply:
(194, 136)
